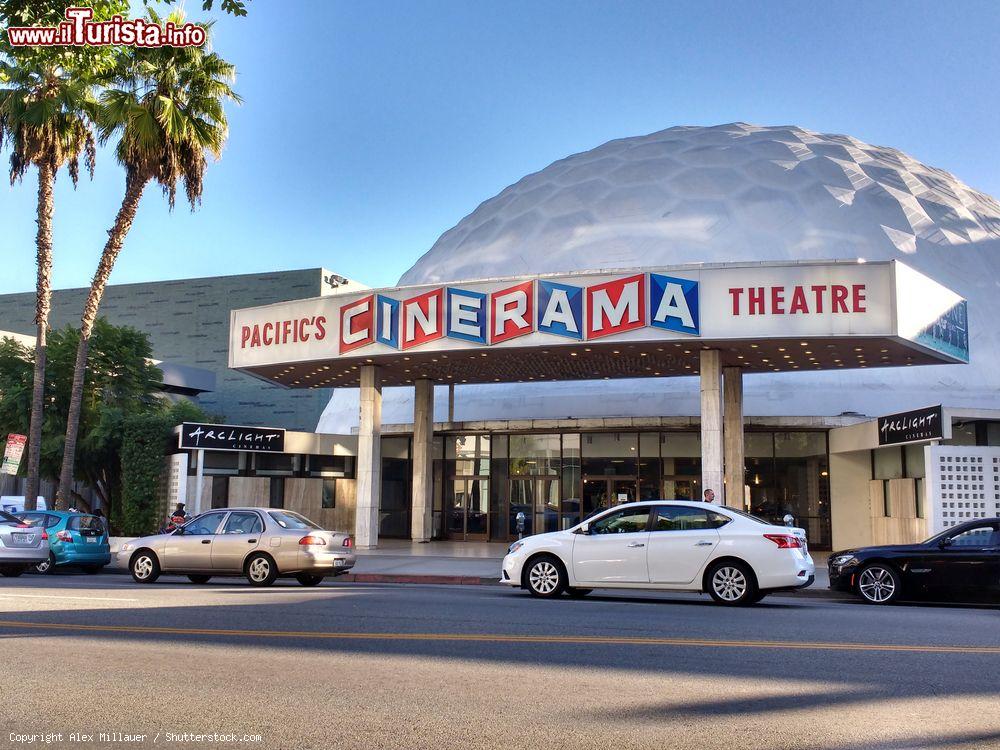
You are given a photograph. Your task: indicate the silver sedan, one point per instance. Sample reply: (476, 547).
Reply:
(21, 546)
(259, 543)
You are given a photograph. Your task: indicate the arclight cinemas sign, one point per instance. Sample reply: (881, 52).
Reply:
(542, 306)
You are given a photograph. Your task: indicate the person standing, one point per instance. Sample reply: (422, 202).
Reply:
(709, 496)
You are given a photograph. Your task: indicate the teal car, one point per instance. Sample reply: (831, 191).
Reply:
(75, 539)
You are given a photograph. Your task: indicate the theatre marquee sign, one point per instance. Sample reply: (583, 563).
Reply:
(712, 303)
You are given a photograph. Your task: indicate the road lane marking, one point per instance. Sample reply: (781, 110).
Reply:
(500, 638)
(51, 596)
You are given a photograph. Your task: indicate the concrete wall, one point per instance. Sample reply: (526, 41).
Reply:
(850, 509)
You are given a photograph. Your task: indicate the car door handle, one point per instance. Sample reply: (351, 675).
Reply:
(703, 543)
(637, 544)
(206, 541)
(251, 541)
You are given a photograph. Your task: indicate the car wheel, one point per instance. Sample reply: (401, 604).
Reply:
(199, 579)
(578, 593)
(545, 577)
(732, 583)
(261, 570)
(47, 567)
(308, 579)
(11, 572)
(878, 584)
(145, 567)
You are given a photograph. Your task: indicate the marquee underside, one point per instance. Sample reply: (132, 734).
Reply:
(593, 360)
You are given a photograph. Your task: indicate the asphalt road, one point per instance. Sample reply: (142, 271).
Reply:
(381, 666)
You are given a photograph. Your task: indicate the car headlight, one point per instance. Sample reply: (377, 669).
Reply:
(842, 560)
(514, 547)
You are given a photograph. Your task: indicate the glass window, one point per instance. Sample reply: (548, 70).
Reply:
(288, 520)
(682, 518)
(626, 521)
(758, 445)
(396, 447)
(39, 519)
(85, 523)
(219, 462)
(205, 524)
(570, 489)
(329, 493)
(534, 455)
(978, 536)
(243, 523)
(277, 493)
(993, 433)
(331, 466)
(915, 461)
(610, 453)
(888, 463)
(469, 454)
(274, 464)
(963, 433)
(681, 455)
(8, 518)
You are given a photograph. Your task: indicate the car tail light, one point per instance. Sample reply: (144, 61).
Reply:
(24, 526)
(348, 542)
(307, 540)
(785, 541)
(45, 536)
(64, 536)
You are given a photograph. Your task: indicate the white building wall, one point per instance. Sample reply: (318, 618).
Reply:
(963, 483)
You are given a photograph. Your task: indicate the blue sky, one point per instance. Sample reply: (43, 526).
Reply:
(371, 128)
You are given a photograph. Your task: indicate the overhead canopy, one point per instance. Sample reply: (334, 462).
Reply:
(609, 324)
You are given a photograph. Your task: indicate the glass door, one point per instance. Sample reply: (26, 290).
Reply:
(468, 510)
(600, 493)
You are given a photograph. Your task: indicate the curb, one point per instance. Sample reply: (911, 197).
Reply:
(417, 579)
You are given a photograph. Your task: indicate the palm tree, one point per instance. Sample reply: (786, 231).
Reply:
(44, 117)
(166, 107)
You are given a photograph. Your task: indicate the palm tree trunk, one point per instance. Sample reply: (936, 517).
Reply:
(134, 185)
(43, 304)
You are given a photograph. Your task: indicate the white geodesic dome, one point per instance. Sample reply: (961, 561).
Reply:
(721, 194)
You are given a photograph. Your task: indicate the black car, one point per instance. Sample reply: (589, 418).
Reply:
(962, 562)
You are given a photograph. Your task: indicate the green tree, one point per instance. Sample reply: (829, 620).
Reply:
(165, 105)
(46, 103)
(121, 383)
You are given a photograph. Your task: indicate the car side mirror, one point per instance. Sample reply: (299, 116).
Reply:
(585, 529)
(946, 542)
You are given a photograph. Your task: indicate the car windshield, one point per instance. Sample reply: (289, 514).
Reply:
(8, 518)
(288, 520)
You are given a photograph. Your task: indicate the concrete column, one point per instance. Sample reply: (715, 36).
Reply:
(451, 403)
(421, 524)
(732, 384)
(369, 459)
(711, 423)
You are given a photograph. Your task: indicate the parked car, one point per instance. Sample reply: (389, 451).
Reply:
(21, 545)
(961, 563)
(15, 503)
(664, 544)
(259, 543)
(75, 539)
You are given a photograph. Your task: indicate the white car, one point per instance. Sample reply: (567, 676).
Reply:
(664, 544)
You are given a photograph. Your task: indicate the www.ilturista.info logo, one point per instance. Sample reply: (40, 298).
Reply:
(78, 31)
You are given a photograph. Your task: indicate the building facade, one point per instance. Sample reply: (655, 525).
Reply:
(187, 321)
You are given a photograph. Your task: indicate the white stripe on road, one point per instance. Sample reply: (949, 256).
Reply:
(85, 598)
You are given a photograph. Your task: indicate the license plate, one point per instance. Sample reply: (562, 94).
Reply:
(24, 538)
(90, 539)
(338, 563)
